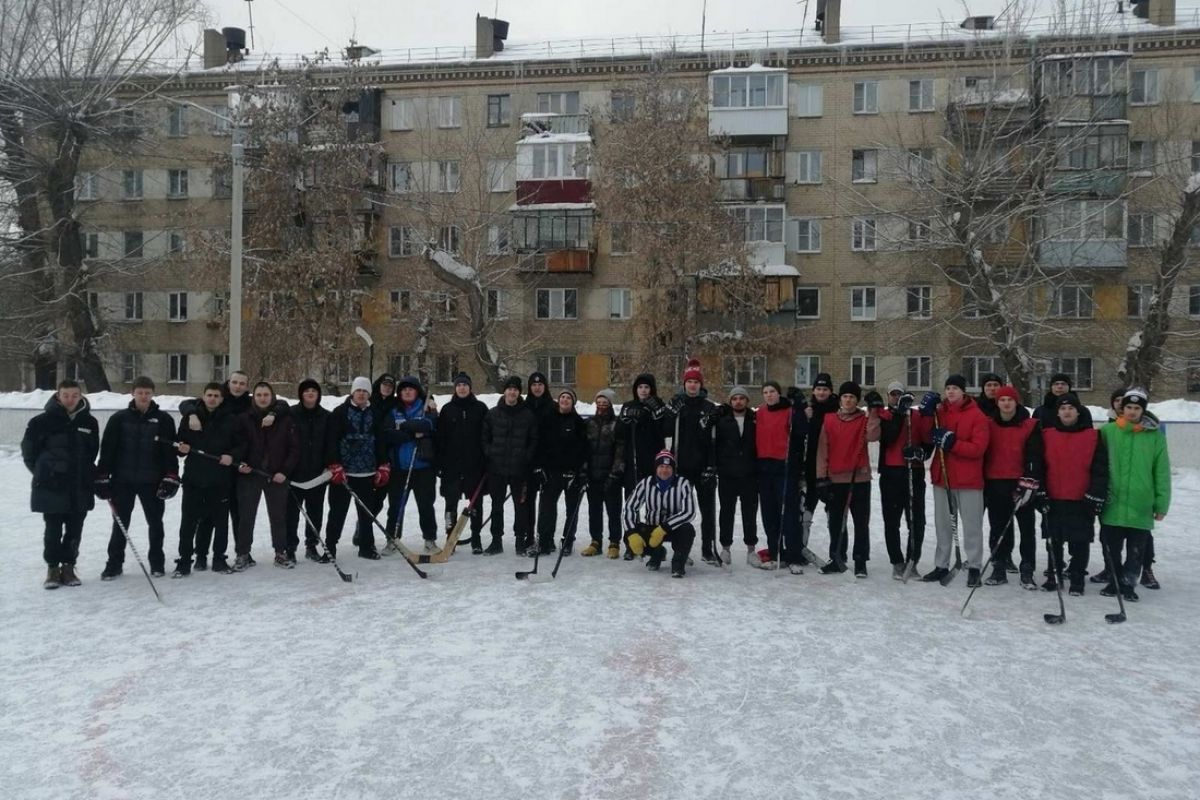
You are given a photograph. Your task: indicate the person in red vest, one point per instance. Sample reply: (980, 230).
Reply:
(904, 444)
(961, 433)
(1004, 464)
(844, 475)
(1073, 477)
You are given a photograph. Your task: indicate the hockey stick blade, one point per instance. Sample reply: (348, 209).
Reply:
(525, 576)
(1054, 619)
(1113, 619)
(951, 575)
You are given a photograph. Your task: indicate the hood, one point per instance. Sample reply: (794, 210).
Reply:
(646, 378)
(52, 406)
(700, 395)
(414, 382)
(133, 406)
(377, 396)
(305, 385)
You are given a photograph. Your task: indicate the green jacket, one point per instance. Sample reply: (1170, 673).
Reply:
(1139, 483)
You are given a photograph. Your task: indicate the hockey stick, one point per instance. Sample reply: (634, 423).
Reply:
(125, 532)
(311, 483)
(999, 542)
(403, 550)
(910, 565)
(950, 505)
(460, 524)
(1061, 616)
(530, 576)
(1113, 619)
(443, 555)
(345, 576)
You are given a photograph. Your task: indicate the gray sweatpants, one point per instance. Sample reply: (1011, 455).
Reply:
(969, 505)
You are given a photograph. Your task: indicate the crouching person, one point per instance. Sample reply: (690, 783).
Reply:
(660, 510)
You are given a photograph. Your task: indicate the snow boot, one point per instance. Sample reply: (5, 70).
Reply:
(1009, 566)
(1110, 590)
(291, 557)
(1102, 576)
(860, 569)
(158, 572)
(241, 563)
(832, 568)
(752, 557)
(311, 554)
(973, 577)
(201, 564)
(593, 549)
(250, 562)
(613, 551)
(221, 566)
(898, 571)
(657, 554)
(183, 568)
(726, 558)
(281, 561)
(795, 569)
(935, 576)
(1027, 581)
(370, 555)
(568, 547)
(495, 547)
(706, 553)
(111, 572)
(999, 576)
(67, 575)
(53, 578)
(629, 554)
(1077, 584)
(1148, 579)
(1129, 594)
(1052, 582)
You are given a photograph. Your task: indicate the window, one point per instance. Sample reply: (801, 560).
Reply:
(499, 110)
(760, 223)
(808, 99)
(449, 112)
(401, 363)
(445, 367)
(1078, 369)
(1141, 157)
(220, 367)
(1194, 300)
(1137, 301)
(402, 241)
(808, 166)
(558, 102)
(559, 370)
(862, 234)
(557, 303)
(807, 368)
(920, 165)
(866, 97)
(448, 176)
(90, 244)
(621, 235)
(620, 304)
(402, 176)
(495, 304)
(1143, 87)
(444, 303)
(808, 302)
(219, 303)
(1085, 220)
(400, 301)
(176, 243)
(133, 244)
(918, 372)
(862, 370)
(131, 183)
(133, 306)
(177, 306)
(920, 231)
(918, 302)
(1193, 375)
(864, 166)
(862, 303)
(974, 367)
(744, 370)
(177, 183)
(808, 236)
(553, 230)
(177, 368)
(218, 120)
(222, 182)
(403, 115)
(1140, 230)
(1108, 150)
(87, 186)
(623, 106)
(755, 90)
(920, 95)
(500, 175)
(499, 240)
(1196, 84)
(448, 238)
(1072, 301)
(131, 367)
(564, 160)
(177, 121)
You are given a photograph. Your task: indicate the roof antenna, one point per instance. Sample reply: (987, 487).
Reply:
(250, 9)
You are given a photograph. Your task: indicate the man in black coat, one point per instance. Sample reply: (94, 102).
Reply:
(205, 425)
(542, 405)
(821, 402)
(312, 425)
(691, 442)
(59, 449)
(606, 471)
(510, 438)
(138, 463)
(561, 468)
(736, 459)
(236, 391)
(459, 440)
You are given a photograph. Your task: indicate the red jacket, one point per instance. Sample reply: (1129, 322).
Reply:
(964, 462)
(842, 449)
(1005, 457)
(895, 436)
(772, 430)
(1071, 459)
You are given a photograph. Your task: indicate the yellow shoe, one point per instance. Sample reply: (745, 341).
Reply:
(637, 544)
(614, 550)
(592, 549)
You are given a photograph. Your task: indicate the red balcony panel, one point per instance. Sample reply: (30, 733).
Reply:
(554, 191)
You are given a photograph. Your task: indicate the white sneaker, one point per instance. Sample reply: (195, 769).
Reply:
(726, 559)
(752, 557)
(390, 549)
(795, 569)
(771, 565)
(431, 546)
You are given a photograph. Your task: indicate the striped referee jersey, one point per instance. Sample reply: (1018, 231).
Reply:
(670, 508)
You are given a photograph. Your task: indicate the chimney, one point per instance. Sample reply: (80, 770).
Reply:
(235, 44)
(489, 36)
(1156, 12)
(214, 48)
(829, 20)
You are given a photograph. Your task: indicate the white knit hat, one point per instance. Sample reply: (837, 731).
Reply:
(361, 383)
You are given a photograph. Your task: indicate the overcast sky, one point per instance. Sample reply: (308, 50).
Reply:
(302, 26)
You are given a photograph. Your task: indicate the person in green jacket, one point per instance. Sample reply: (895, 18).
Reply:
(1139, 491)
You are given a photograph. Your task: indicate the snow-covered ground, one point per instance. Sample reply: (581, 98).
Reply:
(610, 682)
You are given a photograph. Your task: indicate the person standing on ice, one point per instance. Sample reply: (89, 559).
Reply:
(206, 425)
(606, 470)
(459, 451)
(59, 449)
(821, 403)
(844, 475)
(138, 464)
(358, 463)
(961, 436)
(1010, 429)
(1139, 490)
(661, 509)
(562, 463)
(312, 425)
(691, 441)
(1047, 413)
(267, 443)
(408, 430)
(510, 440)
(735, 457)
(904, 445)
(780, 428)
(542, 405)
(987, 398)
(642, 430)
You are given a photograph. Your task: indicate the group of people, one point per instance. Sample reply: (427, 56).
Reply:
(644, 471)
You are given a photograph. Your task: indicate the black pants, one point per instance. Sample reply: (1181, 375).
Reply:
(731, 492)
(896, 497)
(422, 488)
(860, 511)
(60, 540)
(339, 504)
(205, 519)
(124, 495)
(681, 538)
(231, 500)
(250, 489)
(1134, 541)
(556, 486)
(1069, 521)
(1148, 554)
(706, 498)
(457, 487)
(314, 506)
(498, 486)
(604, 503)
(998, 500)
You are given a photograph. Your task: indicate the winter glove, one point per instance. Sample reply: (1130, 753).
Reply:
(167, 487)
(914, 453)
(929, 404)
(635, 542)
(1096, 502)
(194, 423)
(709, 477)
(655, 406)
(337, 475)
(905, 404)
(677, 404)
(943, 438)
(657, 536)
(102, 487)
(824, 488)
(1026, 489)
(382, 476)
(631, 413)
(874, 399)
(795, 395)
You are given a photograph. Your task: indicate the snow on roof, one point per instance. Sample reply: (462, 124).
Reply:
(535, 207)
(755, 67)
(551, 138)
(1086, 54)
(766, 270)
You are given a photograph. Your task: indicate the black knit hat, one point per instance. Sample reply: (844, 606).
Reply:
(990, 377)
(957, 380)
(538, 377)
(462, 377)
(823, 379)
(513, 382)
(1071, 399)
(1061, 376)
(306, 384)
(850, 387)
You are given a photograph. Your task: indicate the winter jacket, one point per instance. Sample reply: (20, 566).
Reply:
(670, 507)
(272, 449)
(964, 461)
(691, 438)
(218, 431)
(138, 448)
(510, 440)
(59, 450)
(562, 443)
(1139, 473)
(541, 407)
(1047, 412)
(820, 409)
(842, 455)
(641, 431)
(1005, 458)
(383, 406)
(408, 432)
(1073, 463)
(233, 405)
(735, 447)
(459, 437)
(606, 447)
(894, 437)
(312, 426)
(353, 439)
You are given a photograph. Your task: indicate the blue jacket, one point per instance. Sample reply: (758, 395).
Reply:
(403, 428)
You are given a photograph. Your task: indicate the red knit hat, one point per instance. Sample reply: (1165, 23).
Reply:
(692, 372)
(1009, 391)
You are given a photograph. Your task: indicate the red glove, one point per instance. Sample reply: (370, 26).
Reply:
(337, 474)
(383, 475)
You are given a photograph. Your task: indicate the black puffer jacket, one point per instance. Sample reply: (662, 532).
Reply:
(312, 428)
(234, 405)
(606, 447)
(459, 437)
(820, 409)
(562, 443)
(60, 450)
(215, 437)
(734, 450)
(273, 449)
(383, 405)
(690, 433)
(129, 451)
(510, 440)
(1047, 413)
(641, 431)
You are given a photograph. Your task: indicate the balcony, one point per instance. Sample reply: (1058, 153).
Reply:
(554, 238)
(752, 189)
(1089, 183)
(554, 190)
(1083, 254)
(748, 101)
(577, 261)
(543, 124)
